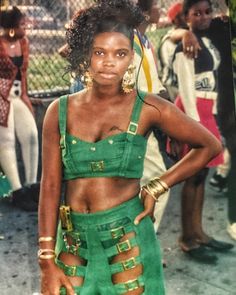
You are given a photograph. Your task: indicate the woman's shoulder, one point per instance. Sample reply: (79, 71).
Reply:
(77, 95)
(154, 101)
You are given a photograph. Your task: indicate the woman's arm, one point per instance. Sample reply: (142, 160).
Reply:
(190, 42)
(184, 69)
(52, 277)
(24, 89)
(204, 144)
(177, 125)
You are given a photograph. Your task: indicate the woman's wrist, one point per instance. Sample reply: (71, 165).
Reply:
(155, 188)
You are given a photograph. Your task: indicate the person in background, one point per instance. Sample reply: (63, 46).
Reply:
(105, 242)
(16, 111)
(220, 35)
(147, 80)
(167, 48)
(219, 180)
(198, 91)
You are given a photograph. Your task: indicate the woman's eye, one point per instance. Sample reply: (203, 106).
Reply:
(121, 54)
(98, 52)
(209, 11)
(197, 14)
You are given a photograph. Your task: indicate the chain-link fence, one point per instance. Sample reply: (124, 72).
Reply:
(46, 20)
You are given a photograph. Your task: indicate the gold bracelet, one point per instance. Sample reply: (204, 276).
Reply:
(46, 239)
(155, 188)
(48, 256)
(41, 254)
(42, 251)
(165, 186)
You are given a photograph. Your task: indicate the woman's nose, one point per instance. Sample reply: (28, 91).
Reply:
(109, 61)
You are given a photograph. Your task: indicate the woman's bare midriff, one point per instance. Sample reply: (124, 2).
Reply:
(89, 195)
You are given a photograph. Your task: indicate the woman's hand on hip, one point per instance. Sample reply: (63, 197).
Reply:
(149, 205)
(53, 278)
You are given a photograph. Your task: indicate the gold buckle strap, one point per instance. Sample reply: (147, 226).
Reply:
(118, 232)
(129, 263)
(123, 246)
(71, 270)
(125, 264)
(132, 285)
(132, 129)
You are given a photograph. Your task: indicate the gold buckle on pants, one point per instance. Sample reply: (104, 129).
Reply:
(123, 246)
(132, 285)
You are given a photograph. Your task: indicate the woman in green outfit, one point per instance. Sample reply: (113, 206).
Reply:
(96, 140)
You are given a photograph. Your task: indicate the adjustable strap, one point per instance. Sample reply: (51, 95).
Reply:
(71, 270)
(125, 265)
(129, 285)
(121, 247)
(133, 126)
(116, 233)
(132, 130)
(62, 120)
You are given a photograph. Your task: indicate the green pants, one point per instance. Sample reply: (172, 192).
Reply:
(100, 237)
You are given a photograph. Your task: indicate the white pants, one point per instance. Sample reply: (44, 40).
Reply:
(21, 124)
(154, 166)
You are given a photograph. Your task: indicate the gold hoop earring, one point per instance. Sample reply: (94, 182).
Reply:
(88, 80)
(128, 81)
(12, 33)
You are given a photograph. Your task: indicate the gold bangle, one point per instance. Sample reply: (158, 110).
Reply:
(46, 239)
(42, 251)
(147, 191)
(155, 188)
(165, 186)
(48, 256)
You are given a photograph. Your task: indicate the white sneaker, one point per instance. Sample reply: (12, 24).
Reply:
(231, 229)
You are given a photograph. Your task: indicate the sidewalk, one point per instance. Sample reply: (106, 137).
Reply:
(18, 247)
(184, 276)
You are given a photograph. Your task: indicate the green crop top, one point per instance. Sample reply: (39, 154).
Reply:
(119, 155)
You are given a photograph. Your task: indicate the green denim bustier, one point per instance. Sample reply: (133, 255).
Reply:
(119, 155)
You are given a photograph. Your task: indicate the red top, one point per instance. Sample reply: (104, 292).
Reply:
(8, 73)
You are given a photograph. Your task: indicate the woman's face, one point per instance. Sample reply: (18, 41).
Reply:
(199, 16)
(111, 55)
(154, 13)
(20, 29)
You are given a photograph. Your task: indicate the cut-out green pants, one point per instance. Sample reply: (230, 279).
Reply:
(99, 239)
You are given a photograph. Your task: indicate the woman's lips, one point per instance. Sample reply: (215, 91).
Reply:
(107, 75)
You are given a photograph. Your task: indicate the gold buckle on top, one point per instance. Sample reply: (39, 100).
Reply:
(118, 232)
(123, 246)
(129, 264)
(132, 285)
(97, 166)
(133, 127)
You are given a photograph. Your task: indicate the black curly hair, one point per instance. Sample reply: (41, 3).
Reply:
(104, 16)
(145, 5)
(187, 4)
(11, 17)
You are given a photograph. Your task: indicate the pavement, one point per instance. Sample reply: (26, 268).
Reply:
(19, 271)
